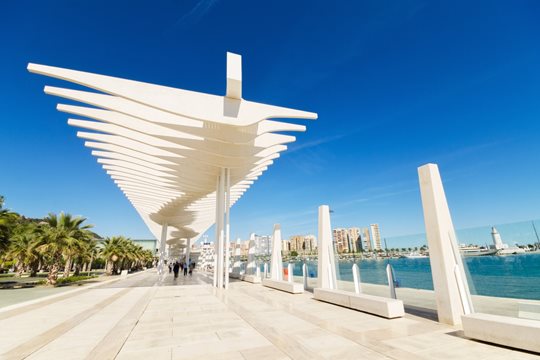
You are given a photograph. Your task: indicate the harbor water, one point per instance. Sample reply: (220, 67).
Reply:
(513, 276)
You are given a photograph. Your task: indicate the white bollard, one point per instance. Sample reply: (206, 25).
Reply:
(290, 270)
(391, 283)
(265, 270)
(305, 275)
(356, 279)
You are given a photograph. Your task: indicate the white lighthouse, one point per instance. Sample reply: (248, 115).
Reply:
(497, 241)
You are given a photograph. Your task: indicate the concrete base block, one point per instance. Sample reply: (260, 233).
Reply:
(290, 287)
(254, 279)
(503, 330)
(529, 310)
(377, 305)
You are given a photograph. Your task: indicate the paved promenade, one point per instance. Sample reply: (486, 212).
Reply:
(144, 317)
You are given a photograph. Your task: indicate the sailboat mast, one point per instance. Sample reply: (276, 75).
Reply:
(536, 233)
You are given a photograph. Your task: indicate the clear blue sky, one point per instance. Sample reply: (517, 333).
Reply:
(396, 84)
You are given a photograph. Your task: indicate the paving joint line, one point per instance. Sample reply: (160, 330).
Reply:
(342, 332)
(33, 345)
(297, 351)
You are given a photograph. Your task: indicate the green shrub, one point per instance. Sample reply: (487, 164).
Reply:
(72, 279)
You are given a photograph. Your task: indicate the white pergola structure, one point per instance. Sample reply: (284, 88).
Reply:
(182, 158)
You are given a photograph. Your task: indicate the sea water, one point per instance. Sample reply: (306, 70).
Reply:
(513, 276)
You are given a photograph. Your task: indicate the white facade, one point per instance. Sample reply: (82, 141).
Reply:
(375, 236)
(366, 239)
(263, 244)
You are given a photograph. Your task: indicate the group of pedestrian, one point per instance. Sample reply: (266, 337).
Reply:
(186, 268)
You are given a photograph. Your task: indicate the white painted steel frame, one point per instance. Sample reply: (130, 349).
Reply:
(165, 147)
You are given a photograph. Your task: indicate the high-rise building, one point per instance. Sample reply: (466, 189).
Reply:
(302, 244)
(375, 236)
(365, 239)
(310, 242)
(354, 239)
(285, 246)
(263, 244)
(341, 240)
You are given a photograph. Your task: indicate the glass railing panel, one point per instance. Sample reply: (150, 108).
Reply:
(502, 264)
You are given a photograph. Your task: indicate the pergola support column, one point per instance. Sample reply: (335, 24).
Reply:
(188, 250)
(162, 245)
(222, 242)
(227, 224)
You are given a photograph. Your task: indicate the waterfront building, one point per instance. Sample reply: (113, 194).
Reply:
(206, 257)
(302, 244)
(263, 243)
(354, 239)
(341, 240)
(375, 236)
(310, 242)
(244, 248)
(366, 239)
(285, 246)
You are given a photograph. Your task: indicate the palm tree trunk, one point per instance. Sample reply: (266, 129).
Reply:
(20, 268)
(53, 274)
(89, 266)
(77, 269)
(109, 267)
(34, 269)
(67, 268)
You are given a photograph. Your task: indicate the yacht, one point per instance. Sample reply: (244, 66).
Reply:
(415, 255)
(476, 251)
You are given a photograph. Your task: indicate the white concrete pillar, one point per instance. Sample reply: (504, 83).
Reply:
(221, 256)
(451, 288)
(276, 267)
(188, 250)
(251, 265)
(227, 224)
(237, 265)
(220, 231)
(391, 281)
(326, 264)
(305, 275)
(162, 245)
(290, 277)
(356, 279)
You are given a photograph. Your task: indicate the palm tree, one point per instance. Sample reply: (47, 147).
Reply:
(8, 222)
(60, 238)
(76, 235)
(89, 251)
(23, 250)
(114, 248)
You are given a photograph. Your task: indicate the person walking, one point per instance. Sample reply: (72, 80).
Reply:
(176, 268)
(186, 268)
